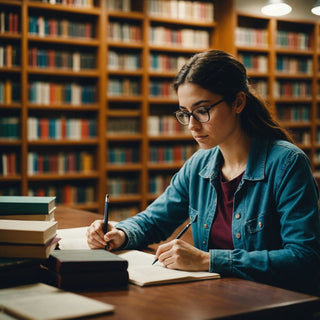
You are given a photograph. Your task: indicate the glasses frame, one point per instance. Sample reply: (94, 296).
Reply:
(192, 113)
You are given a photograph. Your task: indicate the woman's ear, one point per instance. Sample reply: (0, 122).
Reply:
(239, 102)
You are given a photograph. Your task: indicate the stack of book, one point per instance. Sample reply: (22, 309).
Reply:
(27, 208)
(27, 227)
(85, 269)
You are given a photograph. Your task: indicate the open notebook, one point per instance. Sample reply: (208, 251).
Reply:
(141, 271)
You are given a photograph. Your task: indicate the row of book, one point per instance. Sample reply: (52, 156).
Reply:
(294, 113)
(292, 89)
(260, 86)
(182, 9)
(10, 56)
(122, 186)
(9, 128)
(117, 126)
(316, 157)
(158, 183)
(293, 40)
(251, 37)
(254, 62)
(50, 58)
(185, 38)
(43, 26)
(294, 65)
(119, 5)
(10, 91)
(162, 88)
(61, 128)
(48, 93)
(66, 193)
(71, 3)
(9, 164)
(123, 61)
(9, 22)
(123, 87)
(164, 62)
(301, 136)
(171, 154)
(60, 163)
(165, 125)
(123, 155)
(123, 31)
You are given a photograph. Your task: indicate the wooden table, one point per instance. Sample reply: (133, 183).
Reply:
(225, 298)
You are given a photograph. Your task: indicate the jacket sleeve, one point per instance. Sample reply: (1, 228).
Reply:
(296, 264)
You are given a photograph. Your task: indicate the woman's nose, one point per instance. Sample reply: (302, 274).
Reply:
(193, 123)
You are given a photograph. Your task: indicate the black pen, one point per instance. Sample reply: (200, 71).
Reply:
(106, 217)
(182, 232)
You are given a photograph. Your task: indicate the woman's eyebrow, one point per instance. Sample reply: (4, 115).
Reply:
(195, 104)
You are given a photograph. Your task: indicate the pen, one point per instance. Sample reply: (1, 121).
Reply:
(182, 231)
(106, 214)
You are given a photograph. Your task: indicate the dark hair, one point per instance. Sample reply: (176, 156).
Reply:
(221, 73)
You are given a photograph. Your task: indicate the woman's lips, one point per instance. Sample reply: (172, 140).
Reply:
(200, 138)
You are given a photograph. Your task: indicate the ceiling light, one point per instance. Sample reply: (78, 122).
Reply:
(316, 8)
(276, 8)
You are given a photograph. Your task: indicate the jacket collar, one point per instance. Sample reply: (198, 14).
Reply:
(256, 162)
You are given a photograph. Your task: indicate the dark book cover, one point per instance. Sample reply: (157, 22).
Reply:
(84, 260)
(85, 280)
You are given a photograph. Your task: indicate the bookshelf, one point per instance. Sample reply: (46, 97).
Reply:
(85, 101)
(282, 57)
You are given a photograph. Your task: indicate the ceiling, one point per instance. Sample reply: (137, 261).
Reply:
(300, 8)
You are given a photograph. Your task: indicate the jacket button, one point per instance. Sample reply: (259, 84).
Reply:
(203, 242)
(205, 226)
(238, 235)
(238, 215)
(260, 224)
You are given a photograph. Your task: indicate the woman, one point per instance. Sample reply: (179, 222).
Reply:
(249, 191)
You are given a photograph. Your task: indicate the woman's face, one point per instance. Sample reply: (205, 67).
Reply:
(223, 128)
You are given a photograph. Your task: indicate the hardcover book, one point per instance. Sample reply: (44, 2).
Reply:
(27, 232)
(26, 204)
(85, 260)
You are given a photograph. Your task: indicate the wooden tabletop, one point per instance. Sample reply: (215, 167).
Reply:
(225, 298)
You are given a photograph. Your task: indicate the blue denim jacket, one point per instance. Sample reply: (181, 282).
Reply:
(275, 226)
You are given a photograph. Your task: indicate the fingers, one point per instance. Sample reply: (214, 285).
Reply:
(95, 235)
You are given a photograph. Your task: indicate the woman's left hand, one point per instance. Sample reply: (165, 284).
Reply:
(178, 254)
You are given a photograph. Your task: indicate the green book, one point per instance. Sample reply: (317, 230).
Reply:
(26, 205)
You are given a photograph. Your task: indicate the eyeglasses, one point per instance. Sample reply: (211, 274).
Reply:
(201, 114)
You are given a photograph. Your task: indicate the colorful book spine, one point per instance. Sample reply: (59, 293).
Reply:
(182, 9)
(254, 62)
(301, 136)
(170, 154)
(123, 87)
(61, 163)
(291, 65)
(10, 56)
(9, 164)
(9, 128)
(66, 194)
(70, 3)
(158, 183)
(165, 125)
(164, 62)
(48, 93)
(49, 27)
(292, 89)
(293, 40)
(120, 186)
(61, 128)
(294, 113)
(184, 38)
(123, 61)
(122, 155)
(9, 22)
(251, 37)
(65, 60)
(124, 32)
(162, 89)
(10, 91)
(119, 5)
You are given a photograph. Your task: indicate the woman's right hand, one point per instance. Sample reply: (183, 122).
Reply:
(97, 239)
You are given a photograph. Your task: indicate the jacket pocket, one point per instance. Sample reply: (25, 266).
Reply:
(257, 224)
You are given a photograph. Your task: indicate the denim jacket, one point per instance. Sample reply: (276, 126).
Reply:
(275, 225)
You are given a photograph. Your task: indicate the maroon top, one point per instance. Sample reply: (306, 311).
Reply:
(221, 232)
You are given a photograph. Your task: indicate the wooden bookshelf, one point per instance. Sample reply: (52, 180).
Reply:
(107, 64)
